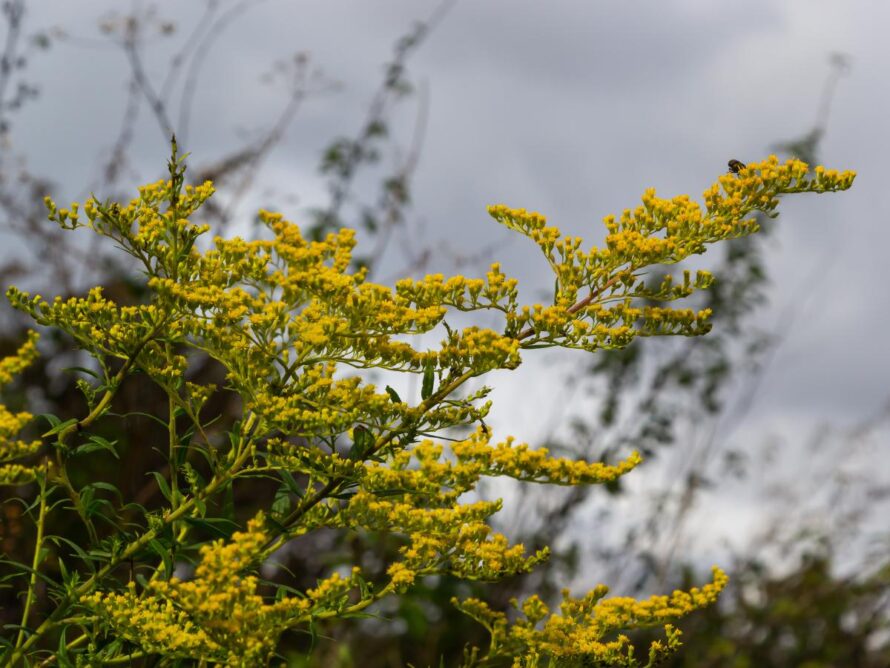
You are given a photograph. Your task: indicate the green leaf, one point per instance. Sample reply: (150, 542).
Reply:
(162, 485)
(276, 525)
(62, 653)
(363, 443)
(291, 483)
(228, 508)
(94, 508)
(217, 526)
(153, 418)
(86, 496)
(395, 491)
(366, 589)
(393, 395)
(426, 389)
(108, 487)
(88, 372)
(49, 417)
(281, 505)
(180, 452)
(84, 557)
(164, 553)
(57, 425)
(97, 443)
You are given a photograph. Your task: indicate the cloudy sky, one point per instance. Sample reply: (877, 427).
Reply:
(568, 108)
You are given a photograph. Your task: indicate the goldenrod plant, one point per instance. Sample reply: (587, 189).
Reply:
(185, 582)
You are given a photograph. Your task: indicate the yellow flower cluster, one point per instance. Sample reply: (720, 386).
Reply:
(400, 576)
(24, 357)
(217, 615)
(370, 511)
(154, 624)
(425, 472)
(453, 539)
(313, 462)
(98, 324)
(496, 291)
(316, 403)
(11, 424)
(588, 628)
(523, 463)
(479, 349)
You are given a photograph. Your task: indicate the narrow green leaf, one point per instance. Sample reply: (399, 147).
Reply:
(363, 443)
(291, 483)
(57, 425)
(275, 525)
(281, 505)
(97, 443)
(153, 418)
(179, 455)
(228, 508)
(393, 395)
(84, 370)
(78, 550)
(164, 553)
(426, 389)
(62, 653)
(162, 485)
(217, 526)
(108, 487)
(49, 417)
(86, 496)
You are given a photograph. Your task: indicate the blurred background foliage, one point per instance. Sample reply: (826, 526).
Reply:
(800, 595)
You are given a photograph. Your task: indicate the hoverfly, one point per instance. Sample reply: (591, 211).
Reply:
(735, 166)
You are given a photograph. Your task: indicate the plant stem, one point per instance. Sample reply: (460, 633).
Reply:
(35, 562)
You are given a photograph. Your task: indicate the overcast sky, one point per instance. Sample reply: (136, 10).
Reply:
(569, 108)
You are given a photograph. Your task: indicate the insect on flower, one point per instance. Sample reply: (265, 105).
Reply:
(735, 166)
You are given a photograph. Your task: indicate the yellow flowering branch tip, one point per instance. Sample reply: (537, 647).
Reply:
(588, 628)
(12, 447)
(659, 232)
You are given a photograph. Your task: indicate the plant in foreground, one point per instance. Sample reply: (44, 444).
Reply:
(290, 322)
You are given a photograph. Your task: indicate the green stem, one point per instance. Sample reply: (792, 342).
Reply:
(50, 660)
(35, 562)
(173, 444)
(74, 495)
